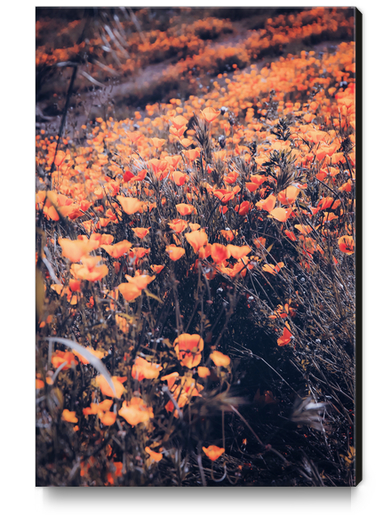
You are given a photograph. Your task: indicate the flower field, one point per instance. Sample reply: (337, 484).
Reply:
(195, 260)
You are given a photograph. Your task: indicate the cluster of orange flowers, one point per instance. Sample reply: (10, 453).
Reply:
(286, 29)
(178, 41)
(139, 180)
(102, 191)
(185, 43)
(320, 22)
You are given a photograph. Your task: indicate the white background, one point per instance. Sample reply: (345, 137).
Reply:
(17, 293)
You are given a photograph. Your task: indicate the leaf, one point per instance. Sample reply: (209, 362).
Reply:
(129, 318)
(149, 294)
(269, 248)
(93, 360)
(101, 327)
(55, 401)
(91, 79)
(105, 68)
(51, 271)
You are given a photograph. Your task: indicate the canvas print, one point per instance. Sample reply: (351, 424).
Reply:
(198, 247)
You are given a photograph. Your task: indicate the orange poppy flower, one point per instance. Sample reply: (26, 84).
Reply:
(177, 132)
(244, 208)
(105, 239)
(130, 205)
(185, 209)
(64, 290)
(261, 159)
(238, 252)
(308, 117)
(74, 284)
(210, 114)
(258, 179)
(288, 196)
(141, 232)
(95, 408)
(157, 268)
(180, 178)
(105, 387)
(194, 227)
(241, 267)
(251, 186)
(267, 204)
(271, 269)
(304, 229)
(178, 225)
(280, 214)
(98, 192)
(213, 452)
(328, 202)
(321, 175)
(136, 411)
(259, 242)
(175, 252)
(219, 253)
(140, 252)
(143, 369)
(286, 336)
(69, 416)
(188, 348)
(171, 379)
(280, 312)
(337, 157)
(347, 186)
(179, 121)
(329, 217)
(39, 383)
(140, 176)
(60, 157)
(182, 392)
(220, 359)
(197, 239)
(157, 142)
(51, 213)
(346, 244)
(117, 250)
(108, 418)
(87, 272)
(158, 166)
(127, 176)
(103, 411)
(192, 154)
(90, 262)
(225, 270)
(186, 142)
(103, 222)
(74, 249)
(129, 291)
(231, 177)
(203, 372)
(291, 235)
(153, 456)
(225, 197)
(205, 252)
(99, 354)
(228, 235)
(59, 357)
